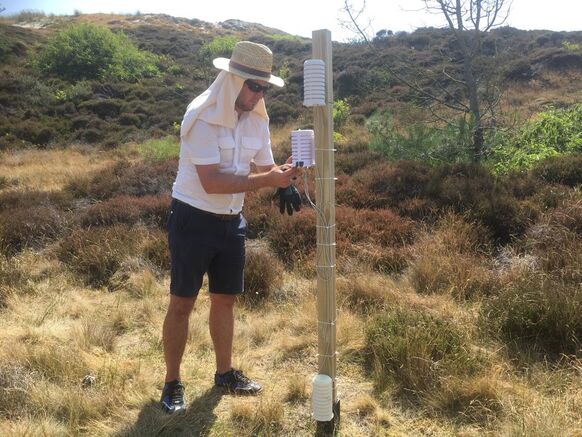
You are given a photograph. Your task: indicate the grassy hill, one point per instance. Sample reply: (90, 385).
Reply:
(459, 290)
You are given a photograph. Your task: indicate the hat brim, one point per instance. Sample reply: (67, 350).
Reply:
(223, 64)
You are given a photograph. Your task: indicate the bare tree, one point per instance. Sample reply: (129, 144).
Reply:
(468, 20)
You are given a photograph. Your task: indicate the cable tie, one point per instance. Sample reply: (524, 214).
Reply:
(327, 323)
(327, 356)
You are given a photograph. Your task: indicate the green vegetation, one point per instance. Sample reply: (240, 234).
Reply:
(161, 149)
(341, 112)
(420, 141)
(220, 46)
(89, 51)
(550, 133)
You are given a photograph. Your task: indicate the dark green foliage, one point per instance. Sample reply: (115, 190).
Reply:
(419, 141)
(103, 108)
(34, 132)
(280, 111)
(89, 51)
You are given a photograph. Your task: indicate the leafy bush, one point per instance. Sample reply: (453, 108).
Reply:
(89, 51)
(341, 112)
(550, 133)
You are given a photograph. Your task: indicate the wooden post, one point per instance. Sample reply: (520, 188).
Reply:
(325, 201)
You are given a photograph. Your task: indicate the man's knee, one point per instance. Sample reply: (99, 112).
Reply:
(222, 300)
(180, 306)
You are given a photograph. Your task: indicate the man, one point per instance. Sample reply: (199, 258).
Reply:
(223, 130)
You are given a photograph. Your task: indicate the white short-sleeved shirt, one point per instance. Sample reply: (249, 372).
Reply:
(232, 149)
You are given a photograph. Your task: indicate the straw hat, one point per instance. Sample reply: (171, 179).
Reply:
(250, 61)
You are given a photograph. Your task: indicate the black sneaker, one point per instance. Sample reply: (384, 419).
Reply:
(173, 397)
(237, 383)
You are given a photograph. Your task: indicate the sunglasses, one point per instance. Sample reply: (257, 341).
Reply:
(256, 87)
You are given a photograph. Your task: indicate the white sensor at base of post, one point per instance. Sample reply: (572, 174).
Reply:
(321, 398)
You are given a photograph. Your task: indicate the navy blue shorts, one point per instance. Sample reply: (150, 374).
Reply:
(200, 243)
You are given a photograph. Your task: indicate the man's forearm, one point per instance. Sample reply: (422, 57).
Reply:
(222, 183)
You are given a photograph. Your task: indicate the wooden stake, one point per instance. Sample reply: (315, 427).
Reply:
(325, 202)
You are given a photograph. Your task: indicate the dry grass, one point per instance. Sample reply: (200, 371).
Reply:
(78, 360)
(50, 170)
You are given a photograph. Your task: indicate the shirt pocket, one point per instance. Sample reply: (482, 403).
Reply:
(226, 149)
(250, 146)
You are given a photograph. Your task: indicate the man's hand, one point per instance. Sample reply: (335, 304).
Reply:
(289, 199)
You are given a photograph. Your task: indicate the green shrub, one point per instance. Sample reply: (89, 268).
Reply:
(415, 350)
(550, 133)
(162, 149)
(341, 112)
(419, 141)
(103, 107)
(89, 51)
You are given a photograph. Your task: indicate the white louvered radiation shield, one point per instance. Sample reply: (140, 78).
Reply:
(303, 147)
